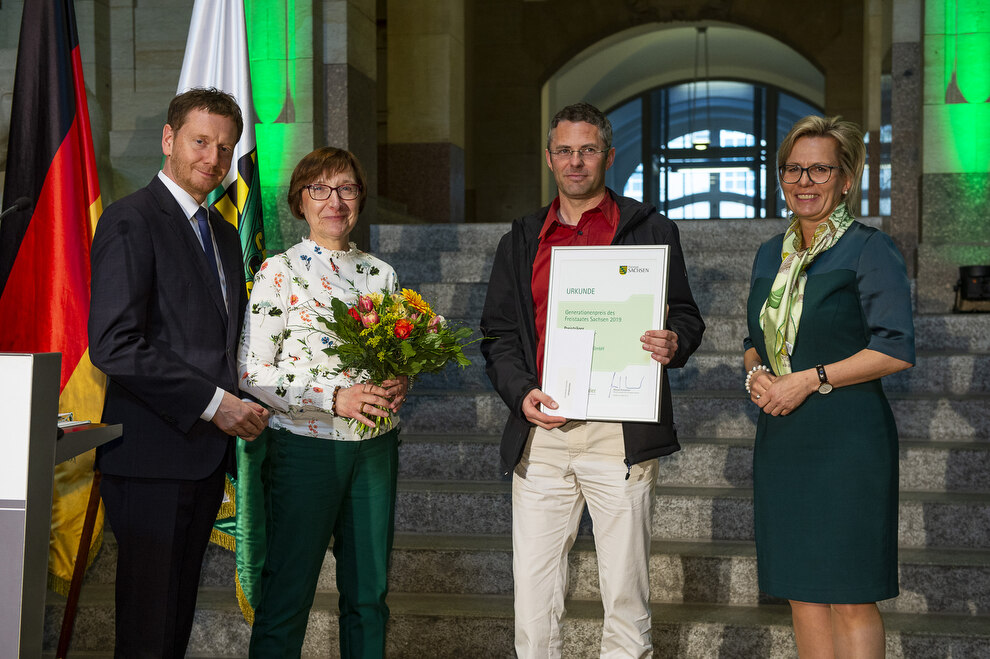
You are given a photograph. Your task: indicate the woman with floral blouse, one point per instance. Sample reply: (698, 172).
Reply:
(325, 481)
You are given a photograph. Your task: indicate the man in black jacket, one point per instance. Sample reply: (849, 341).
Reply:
(559, 464)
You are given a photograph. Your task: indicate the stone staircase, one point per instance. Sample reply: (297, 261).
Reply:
(451, 577)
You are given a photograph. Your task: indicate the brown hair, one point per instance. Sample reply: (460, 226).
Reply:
(851, 149)
(587, 113)
(209, 99)
(326, 161)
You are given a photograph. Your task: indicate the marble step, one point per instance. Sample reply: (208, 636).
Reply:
(934, 372)
(458, 300)
(426, 240)
(455, 377)
(729, 236)
(926, 519)
(443, 626)
(463, 266)
(954, 581)
(716, 572)
(950, 333)
(701, 462)
(415, 270)
(728, 414)
(718, 300)
(947, 334)
(703, 241)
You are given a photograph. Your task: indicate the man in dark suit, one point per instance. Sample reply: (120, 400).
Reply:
(168, 300)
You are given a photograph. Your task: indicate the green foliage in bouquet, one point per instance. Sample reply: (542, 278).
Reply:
(387, 335)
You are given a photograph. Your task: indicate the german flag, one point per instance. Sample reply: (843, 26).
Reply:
(44, 248)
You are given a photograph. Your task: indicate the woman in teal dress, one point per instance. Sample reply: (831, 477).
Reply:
(829, 314)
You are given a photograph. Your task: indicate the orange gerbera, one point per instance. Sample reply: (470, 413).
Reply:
(416, 301)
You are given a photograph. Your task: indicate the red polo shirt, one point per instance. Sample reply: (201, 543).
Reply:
(596, 227)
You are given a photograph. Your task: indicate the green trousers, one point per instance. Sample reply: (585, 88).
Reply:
(322, 489)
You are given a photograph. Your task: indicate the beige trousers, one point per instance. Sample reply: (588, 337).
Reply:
(560, 470)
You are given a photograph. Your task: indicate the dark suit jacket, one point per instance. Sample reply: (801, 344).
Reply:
(159, 330)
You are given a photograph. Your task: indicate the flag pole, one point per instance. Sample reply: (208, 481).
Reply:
(79, 569)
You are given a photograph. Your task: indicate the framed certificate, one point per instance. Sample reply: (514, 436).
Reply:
(600, 302)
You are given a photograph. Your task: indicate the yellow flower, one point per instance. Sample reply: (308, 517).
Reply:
(416, 301)
(376, 298)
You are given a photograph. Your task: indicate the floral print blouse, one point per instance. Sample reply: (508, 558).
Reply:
(281, 360)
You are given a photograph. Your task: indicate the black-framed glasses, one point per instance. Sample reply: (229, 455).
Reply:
(347, 192)
(819, 173)
(587, 153)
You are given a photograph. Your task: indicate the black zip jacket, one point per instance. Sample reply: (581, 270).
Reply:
(510, 353)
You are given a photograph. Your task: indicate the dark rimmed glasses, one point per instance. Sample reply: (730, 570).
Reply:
(347, 192)
(791, 173)
(587, 153)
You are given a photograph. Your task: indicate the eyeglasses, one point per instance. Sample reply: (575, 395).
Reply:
(816, 173)
(347, 192)
(588, 152)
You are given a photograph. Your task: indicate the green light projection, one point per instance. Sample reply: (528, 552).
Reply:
(957, 82)
(967, 51)
(275, 59)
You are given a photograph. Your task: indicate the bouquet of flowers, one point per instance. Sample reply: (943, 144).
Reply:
(388, 335)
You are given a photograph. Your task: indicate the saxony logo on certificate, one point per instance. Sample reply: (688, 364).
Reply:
(626, 269)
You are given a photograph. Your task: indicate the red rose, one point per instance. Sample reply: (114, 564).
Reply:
(403, 328)
(353, 313)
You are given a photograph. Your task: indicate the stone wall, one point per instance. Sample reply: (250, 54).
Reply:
(514, 47)
(442, 100)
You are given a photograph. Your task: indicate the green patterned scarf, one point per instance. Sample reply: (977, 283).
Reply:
(781, 312)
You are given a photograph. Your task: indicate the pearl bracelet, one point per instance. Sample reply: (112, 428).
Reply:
(752, 372)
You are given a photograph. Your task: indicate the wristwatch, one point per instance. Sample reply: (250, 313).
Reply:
(823, 385)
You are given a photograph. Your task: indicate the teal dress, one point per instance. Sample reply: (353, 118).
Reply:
(825, 477)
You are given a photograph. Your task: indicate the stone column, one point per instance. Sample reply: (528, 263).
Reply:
(423, 160)
(347, 101)
(874, 48)
(906, 72)
(346, 92)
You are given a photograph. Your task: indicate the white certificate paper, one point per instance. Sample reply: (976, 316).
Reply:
(616, 292)
(568, 372)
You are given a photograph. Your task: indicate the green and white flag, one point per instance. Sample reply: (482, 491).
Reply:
(217, 56)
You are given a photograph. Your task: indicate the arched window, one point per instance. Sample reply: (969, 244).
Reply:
(709, 149)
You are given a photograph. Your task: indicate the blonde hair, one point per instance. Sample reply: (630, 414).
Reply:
(851, 149)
